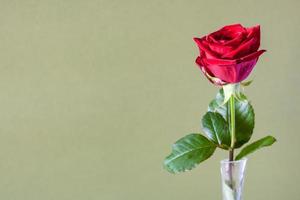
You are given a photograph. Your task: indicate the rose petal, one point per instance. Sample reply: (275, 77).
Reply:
(237, 40)
(233, 27)
(222, 62)
(208, 75)
(242, 50)
(231, 71)
(254, 32)
(220, 49)
(227, 33)
(251, 56)
(251, 44)
(204, 48)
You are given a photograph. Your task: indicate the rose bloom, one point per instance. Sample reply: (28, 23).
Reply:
(229, 54)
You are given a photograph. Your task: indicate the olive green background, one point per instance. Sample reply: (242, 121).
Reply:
(94, 92)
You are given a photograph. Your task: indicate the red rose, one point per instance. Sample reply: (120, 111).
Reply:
(229, 54)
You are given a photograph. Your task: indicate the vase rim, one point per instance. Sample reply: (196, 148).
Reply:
(234, 161)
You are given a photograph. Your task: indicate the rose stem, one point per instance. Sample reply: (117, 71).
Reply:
(232, 128)
(231, 154)
(232, 132)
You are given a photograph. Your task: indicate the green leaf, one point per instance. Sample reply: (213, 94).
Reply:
(244, 116)
(216, 105)
(246, 83)
(216, 129)
(187, 152)
(266, 141)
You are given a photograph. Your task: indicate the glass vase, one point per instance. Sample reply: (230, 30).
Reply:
(232, 174)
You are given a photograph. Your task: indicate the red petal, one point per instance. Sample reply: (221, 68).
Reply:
(220, 49)
(227, 33)
(250, 45)
(237, 40)
(232, 71)
(204, 48)
(251, 56)
(209, 76)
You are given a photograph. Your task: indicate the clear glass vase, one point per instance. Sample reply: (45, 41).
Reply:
(232, 173)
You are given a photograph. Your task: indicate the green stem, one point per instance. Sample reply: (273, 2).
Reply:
(231, 154)
(232, 128)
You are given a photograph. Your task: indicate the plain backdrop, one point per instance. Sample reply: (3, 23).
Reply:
(94, 92)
